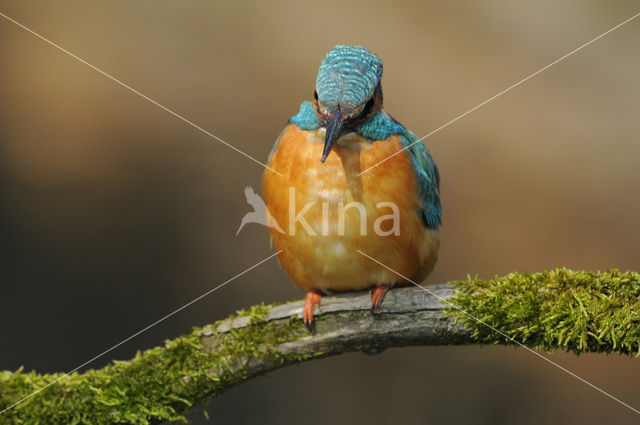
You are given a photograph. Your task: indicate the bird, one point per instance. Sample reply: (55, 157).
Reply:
(260, 213)
(342, 160)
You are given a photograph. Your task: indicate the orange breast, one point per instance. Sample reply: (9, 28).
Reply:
(328, 213)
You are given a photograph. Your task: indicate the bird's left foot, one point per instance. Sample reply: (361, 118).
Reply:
(377, 295)
(310, 300)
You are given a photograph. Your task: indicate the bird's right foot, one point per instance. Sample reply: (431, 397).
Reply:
(312, 299)
(377, 295)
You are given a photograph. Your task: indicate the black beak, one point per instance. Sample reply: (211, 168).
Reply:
(335, 126)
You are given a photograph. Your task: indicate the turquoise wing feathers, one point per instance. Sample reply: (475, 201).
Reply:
(428, 179)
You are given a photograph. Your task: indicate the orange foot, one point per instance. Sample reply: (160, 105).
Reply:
(377, 295)
(310, 300)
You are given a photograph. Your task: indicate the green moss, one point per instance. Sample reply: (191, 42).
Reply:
(157, 385)
(573, 310)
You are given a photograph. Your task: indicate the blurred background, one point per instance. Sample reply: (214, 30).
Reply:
(114, 213)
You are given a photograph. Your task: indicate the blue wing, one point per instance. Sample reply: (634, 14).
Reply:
(428, 179)
(275, 146)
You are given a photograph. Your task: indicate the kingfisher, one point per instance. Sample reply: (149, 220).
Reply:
(344, 179)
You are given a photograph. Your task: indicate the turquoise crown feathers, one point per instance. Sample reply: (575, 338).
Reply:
(347, 78)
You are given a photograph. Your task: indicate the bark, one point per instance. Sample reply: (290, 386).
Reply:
(561, 309)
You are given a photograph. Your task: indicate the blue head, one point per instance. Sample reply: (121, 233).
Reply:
(348, 90)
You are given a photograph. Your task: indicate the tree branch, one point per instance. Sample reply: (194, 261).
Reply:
(562, 309)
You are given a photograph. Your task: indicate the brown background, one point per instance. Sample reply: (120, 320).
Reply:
(114, 213)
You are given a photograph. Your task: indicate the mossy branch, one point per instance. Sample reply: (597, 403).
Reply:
(562, 309)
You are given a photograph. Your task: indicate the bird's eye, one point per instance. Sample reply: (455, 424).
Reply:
(368, 106)
(315, 95)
